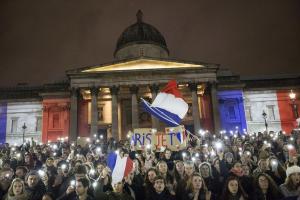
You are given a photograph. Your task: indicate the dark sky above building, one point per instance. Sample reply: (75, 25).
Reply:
(40, 40)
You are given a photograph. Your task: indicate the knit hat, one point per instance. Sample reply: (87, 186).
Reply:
(291, 170)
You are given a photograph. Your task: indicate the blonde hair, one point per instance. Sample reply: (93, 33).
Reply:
(11, 191)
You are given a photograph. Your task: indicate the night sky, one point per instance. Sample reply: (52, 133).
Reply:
(40, 40)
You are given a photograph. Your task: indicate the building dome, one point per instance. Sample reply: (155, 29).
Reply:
(141, 39)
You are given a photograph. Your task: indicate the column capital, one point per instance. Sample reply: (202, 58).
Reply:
(134, 89)
(193, 86)
(94, 91)
(154, 88)
(114, 90)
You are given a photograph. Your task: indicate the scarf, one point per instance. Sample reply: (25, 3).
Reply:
(238, 173)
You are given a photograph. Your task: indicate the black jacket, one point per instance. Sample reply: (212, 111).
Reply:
(37, 192)
(165, 195)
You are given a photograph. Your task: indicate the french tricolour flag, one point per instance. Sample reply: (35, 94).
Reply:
(120, 167)
(168, 106)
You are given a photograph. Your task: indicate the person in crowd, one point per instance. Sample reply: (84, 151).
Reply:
(119, 192)
(80, 171)
(277, 171)
(21, 172)
(34, 185)
(189, 169)
(265, 188)
(263, 167)
(229, 160)
(246, 181)
(160, 190)
(196, 189)
(28, 161)
(16, 191)
(291, 186)
(254, 159)
(168, 159)
(233, 190)
(137, 180)
(179, 171)
(149, 180)
(6, 177)
(103, 182)
(162, 168)
(211, 182)
(180, 178)
(79, 191)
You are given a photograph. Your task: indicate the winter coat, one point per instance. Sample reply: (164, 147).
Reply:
(188, 195)
(137, 186)
(21, 197)
(37, 192)
(288, 193)
(73, 196)
(258, 195)
(165, 195)
(116, 196)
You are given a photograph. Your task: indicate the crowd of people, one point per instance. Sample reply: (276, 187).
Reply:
(224, 166)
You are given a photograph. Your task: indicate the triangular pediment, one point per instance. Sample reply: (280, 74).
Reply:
(141, 64)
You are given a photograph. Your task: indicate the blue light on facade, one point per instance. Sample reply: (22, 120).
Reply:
(232, 112)
(3, 119)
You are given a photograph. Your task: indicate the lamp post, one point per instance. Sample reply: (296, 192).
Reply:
(264, 115)
(24, 128)
(292, 96)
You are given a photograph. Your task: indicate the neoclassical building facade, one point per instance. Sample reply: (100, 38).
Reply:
(105, 99)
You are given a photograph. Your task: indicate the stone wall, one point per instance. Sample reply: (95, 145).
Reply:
(19, 113)
(255, 103)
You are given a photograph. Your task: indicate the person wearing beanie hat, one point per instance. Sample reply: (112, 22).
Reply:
(292, 183)
(292, 170)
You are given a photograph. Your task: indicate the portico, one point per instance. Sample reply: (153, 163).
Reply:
(113, 91)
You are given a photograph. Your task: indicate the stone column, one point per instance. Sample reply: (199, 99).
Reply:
(134, 106)
(74, 115)
(215, 106)
(154, 90)
(94, 111)
(114, 110)
(195, 106)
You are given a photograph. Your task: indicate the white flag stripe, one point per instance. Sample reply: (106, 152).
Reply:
(170, 103)
(118, 171)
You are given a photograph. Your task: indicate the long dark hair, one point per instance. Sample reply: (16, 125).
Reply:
(146, 181)
(273, 190)
(175, 172)
(226, 193)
